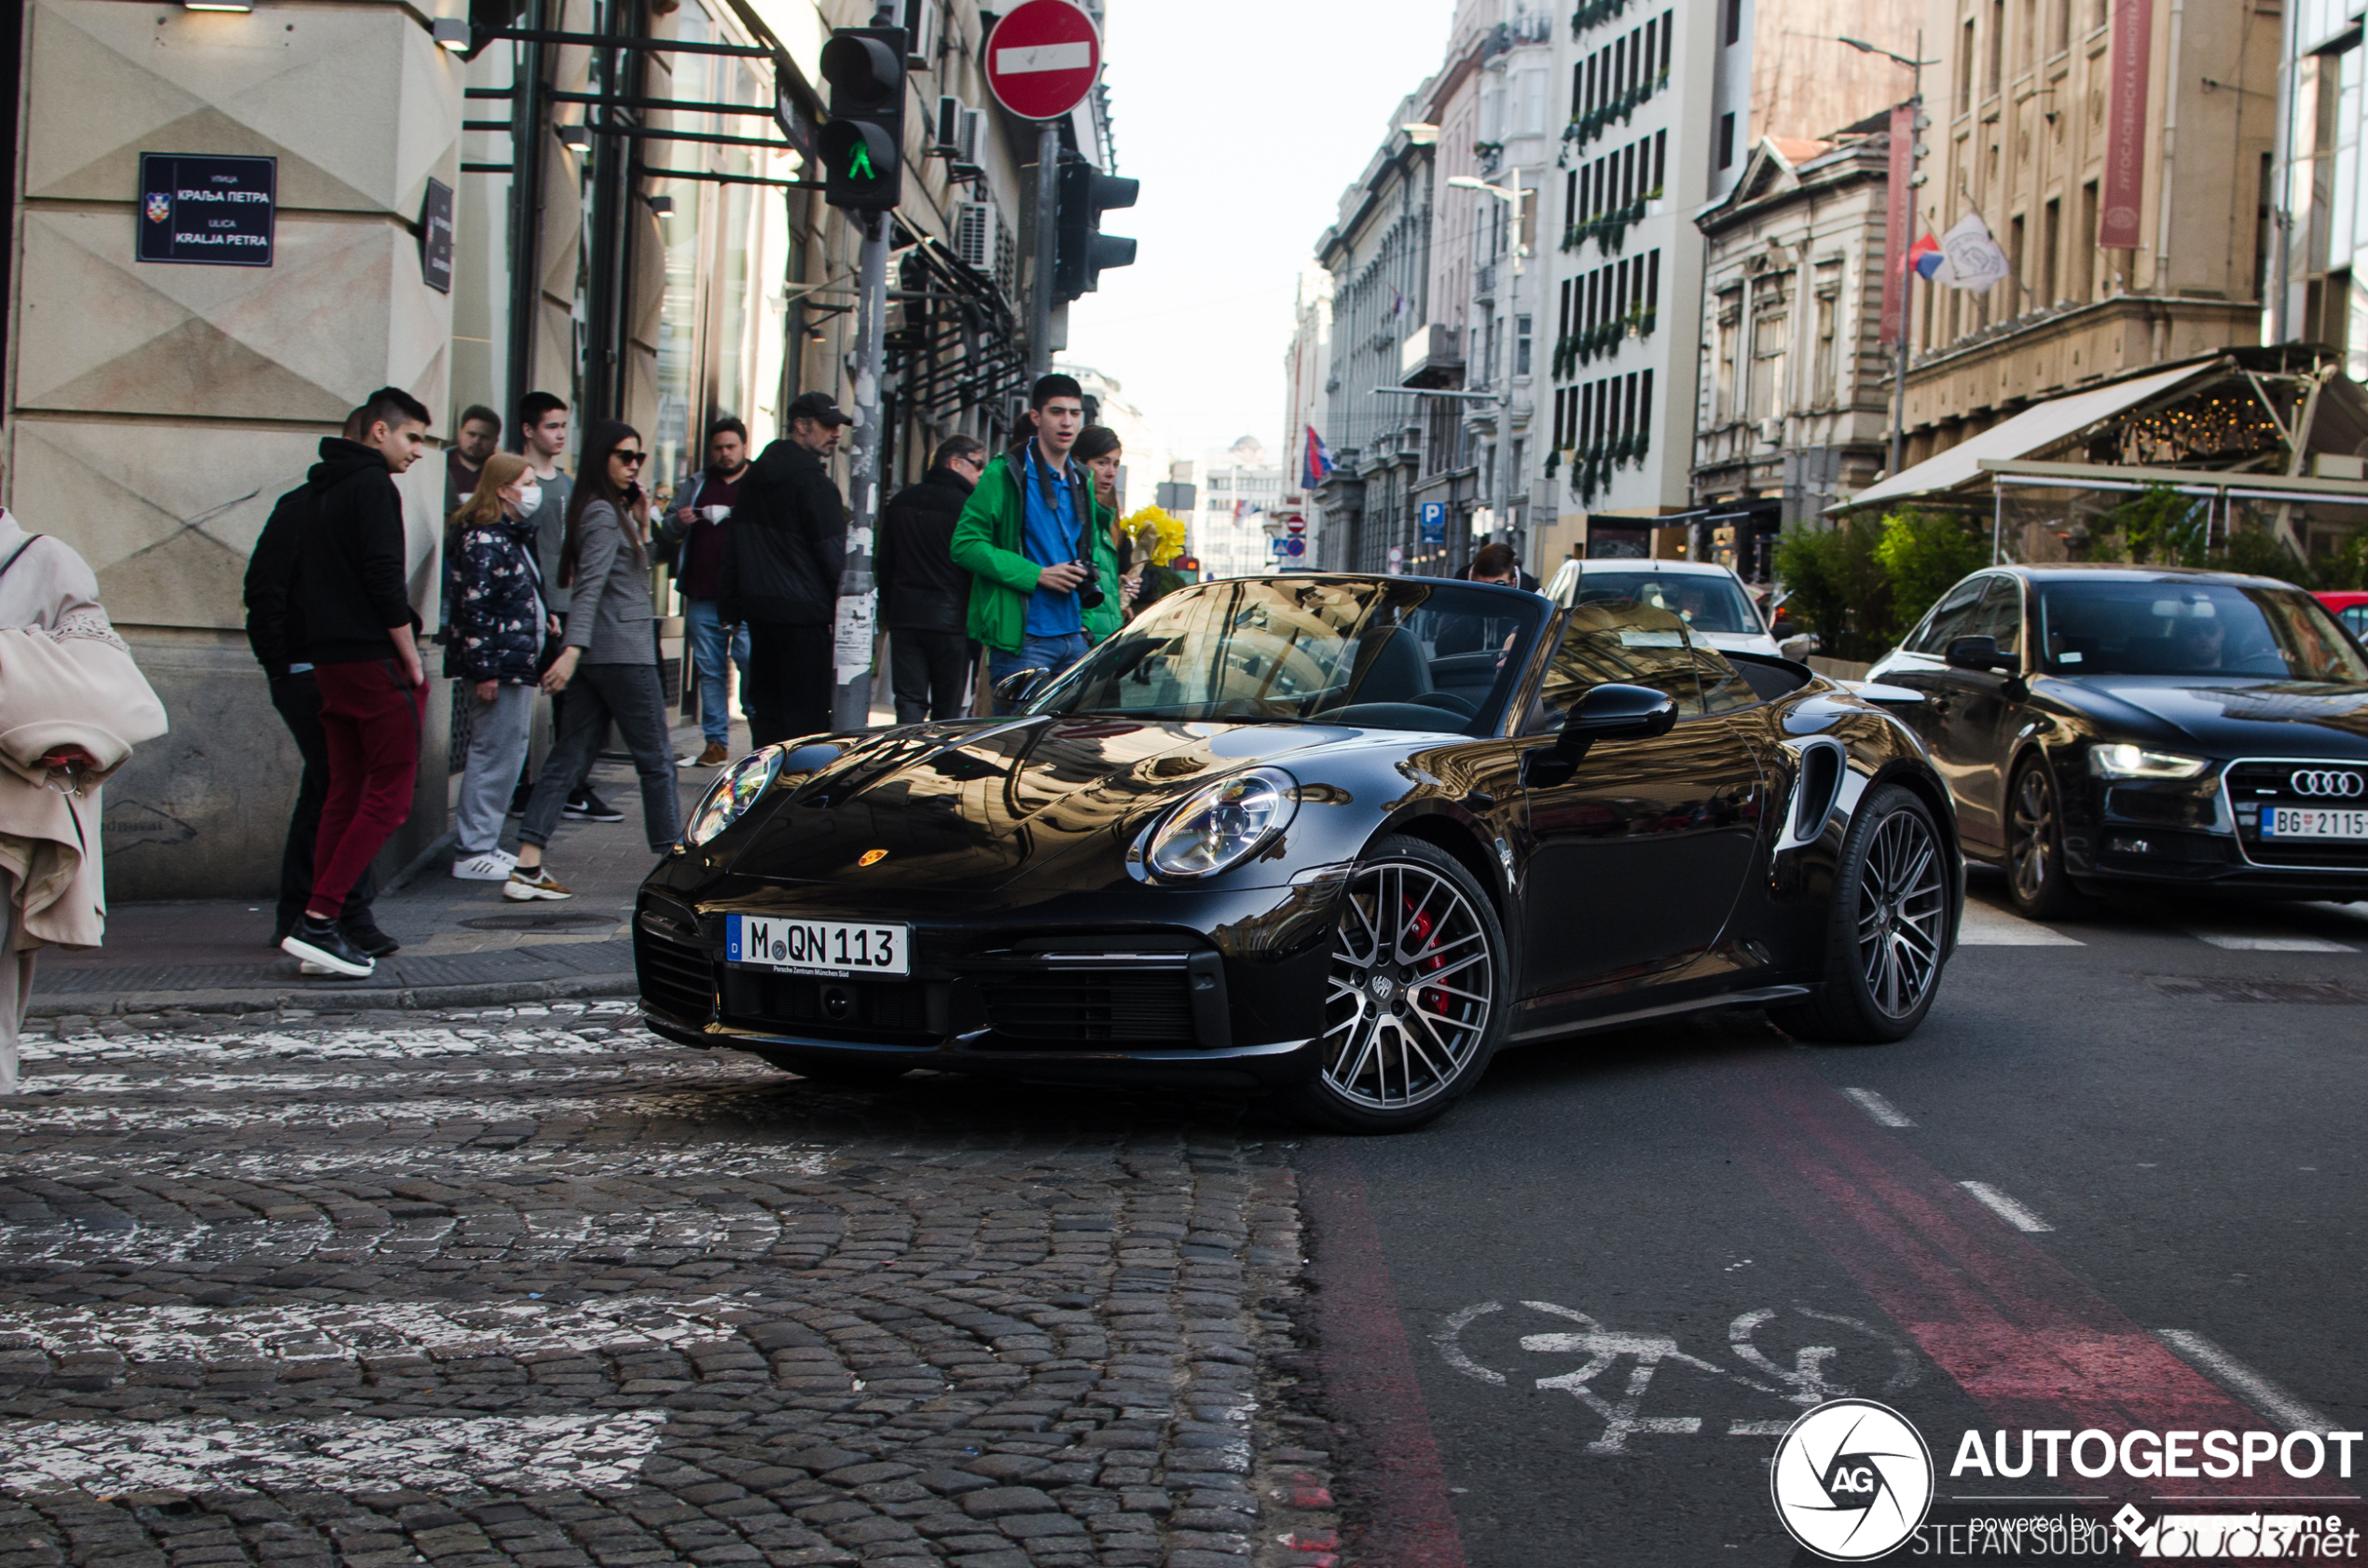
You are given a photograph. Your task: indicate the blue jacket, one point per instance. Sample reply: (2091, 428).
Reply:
(490, 588)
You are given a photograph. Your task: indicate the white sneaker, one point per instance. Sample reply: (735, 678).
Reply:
(491, 866)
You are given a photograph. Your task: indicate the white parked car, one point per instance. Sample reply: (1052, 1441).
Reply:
(1716, 606)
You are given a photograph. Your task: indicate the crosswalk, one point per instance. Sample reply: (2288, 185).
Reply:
(2232, 926)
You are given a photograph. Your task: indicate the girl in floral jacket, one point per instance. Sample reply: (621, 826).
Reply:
(494, 592)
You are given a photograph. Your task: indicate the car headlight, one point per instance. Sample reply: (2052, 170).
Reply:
(1223, 823)
(742, 785)
(2122, 760)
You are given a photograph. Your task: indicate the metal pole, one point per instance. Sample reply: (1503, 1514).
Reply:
(1048, 206)
(1503, 499)
(1907, 242)
(852, 640)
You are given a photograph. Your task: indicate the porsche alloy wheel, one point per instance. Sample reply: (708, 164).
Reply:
(2035, 877)
(1887, 929)
(1413, 994)
(1903, 913)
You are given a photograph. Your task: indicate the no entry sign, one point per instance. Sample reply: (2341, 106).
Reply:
(1042, 60)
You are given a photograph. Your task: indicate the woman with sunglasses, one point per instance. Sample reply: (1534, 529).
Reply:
(608, 663)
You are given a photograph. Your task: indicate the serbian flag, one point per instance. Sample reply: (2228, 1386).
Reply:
(1926, 257)
(1316, 463)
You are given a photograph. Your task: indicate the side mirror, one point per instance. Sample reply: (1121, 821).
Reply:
(1017, 687)
(1980, 653)
(1606, 712)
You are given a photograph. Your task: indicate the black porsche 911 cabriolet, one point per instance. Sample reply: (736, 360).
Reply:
(1337, 838)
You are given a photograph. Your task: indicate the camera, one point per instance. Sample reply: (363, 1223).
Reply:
(1089, 593)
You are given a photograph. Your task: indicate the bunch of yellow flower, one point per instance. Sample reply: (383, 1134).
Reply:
(1171, 530)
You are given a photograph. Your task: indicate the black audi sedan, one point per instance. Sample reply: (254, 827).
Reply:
(2144, 727)
(1336, 838)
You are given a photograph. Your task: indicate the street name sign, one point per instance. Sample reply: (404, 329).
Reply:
(207, 209)
(1043, 59)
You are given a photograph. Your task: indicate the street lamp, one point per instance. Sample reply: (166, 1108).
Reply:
(1512, 195)
(1906, 273)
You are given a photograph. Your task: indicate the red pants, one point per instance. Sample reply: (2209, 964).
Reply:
(370, 714)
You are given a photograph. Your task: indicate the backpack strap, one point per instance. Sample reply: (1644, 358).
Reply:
(20, 551)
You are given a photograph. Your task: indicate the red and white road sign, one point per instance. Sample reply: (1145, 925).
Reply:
(1042, 60)
(1295, 526)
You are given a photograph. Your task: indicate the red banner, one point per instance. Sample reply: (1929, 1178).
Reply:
(2126, 127)
(1899, 220)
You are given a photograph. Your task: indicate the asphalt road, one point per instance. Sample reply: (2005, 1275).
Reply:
(1627, 1262)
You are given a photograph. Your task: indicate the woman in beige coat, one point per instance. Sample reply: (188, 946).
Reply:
(72, 707)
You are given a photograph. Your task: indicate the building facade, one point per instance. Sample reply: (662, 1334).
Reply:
(1307, 365)
(607, 200)
(2319, 229)
(1238, 518)
(1793, 413)
(2121, 153)
(1667, 104)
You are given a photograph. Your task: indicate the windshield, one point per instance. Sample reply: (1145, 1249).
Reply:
(1706, 601)
(1407, 654)
(2118, 626)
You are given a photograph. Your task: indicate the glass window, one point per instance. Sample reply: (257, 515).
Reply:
(1406, 655)
(1619, 642)
(1948, 617)
(2000, 616)
(1706, 601)
(2179, 626)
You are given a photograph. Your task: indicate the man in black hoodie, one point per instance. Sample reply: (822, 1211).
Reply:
(782, 561)
(927, 597)
(272, 632)
(351, 598)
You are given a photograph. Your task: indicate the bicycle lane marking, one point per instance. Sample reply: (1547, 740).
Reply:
(2034, 1346)
(1368, 1367)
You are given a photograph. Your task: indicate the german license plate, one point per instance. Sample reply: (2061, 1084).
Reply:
(2313, 821)
(831, 947)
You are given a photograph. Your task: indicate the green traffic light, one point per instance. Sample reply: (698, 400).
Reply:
(860, 166)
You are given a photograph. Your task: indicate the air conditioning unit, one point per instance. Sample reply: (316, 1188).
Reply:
(920, 20)
(976, 227)
(1772, 432)
(958, 131)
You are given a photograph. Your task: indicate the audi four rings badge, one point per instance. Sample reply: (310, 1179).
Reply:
(2325, 781)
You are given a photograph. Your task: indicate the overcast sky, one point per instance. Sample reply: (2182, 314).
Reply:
(1243, 121)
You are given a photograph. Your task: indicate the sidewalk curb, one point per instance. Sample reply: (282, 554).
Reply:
(328, 997)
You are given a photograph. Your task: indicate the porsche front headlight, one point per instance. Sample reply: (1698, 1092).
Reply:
(742, 785)
(1223, 824)
(2122, 760)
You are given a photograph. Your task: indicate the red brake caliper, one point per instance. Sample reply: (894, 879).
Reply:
(1429, 997)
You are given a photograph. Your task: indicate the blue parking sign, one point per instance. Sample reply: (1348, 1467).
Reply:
(1434, 522)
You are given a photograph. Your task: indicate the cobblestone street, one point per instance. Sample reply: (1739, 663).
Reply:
(531, 1286)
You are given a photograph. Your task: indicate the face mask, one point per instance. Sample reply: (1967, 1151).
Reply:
(529, 501)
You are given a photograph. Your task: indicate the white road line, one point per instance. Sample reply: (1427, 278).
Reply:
(344, 1331)
(327, 1045)
(631, 1101)
(514, 1075)
(2242, 1381)
(1985, 925)
(2250, 941)
(346, 1455)
(1885, 1113)
(2005, 1208)
(511, 1238)
(279, 1165)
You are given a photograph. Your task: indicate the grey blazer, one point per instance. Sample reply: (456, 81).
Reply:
(610, 616)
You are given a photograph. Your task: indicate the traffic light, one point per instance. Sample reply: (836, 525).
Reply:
(1082, 249)
(862, 143)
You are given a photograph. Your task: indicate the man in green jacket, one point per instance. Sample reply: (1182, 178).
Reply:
(1031, 536)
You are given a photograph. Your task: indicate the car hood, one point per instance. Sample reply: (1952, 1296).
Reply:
(966, 807)
(2233, 717)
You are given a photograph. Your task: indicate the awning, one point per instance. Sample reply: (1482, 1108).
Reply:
(2029, 433)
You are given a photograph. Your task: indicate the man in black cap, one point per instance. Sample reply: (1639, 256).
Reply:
(780, 573)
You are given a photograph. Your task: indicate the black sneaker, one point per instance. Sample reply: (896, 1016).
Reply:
(364, 934)
(585, 807)
(323, 942)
